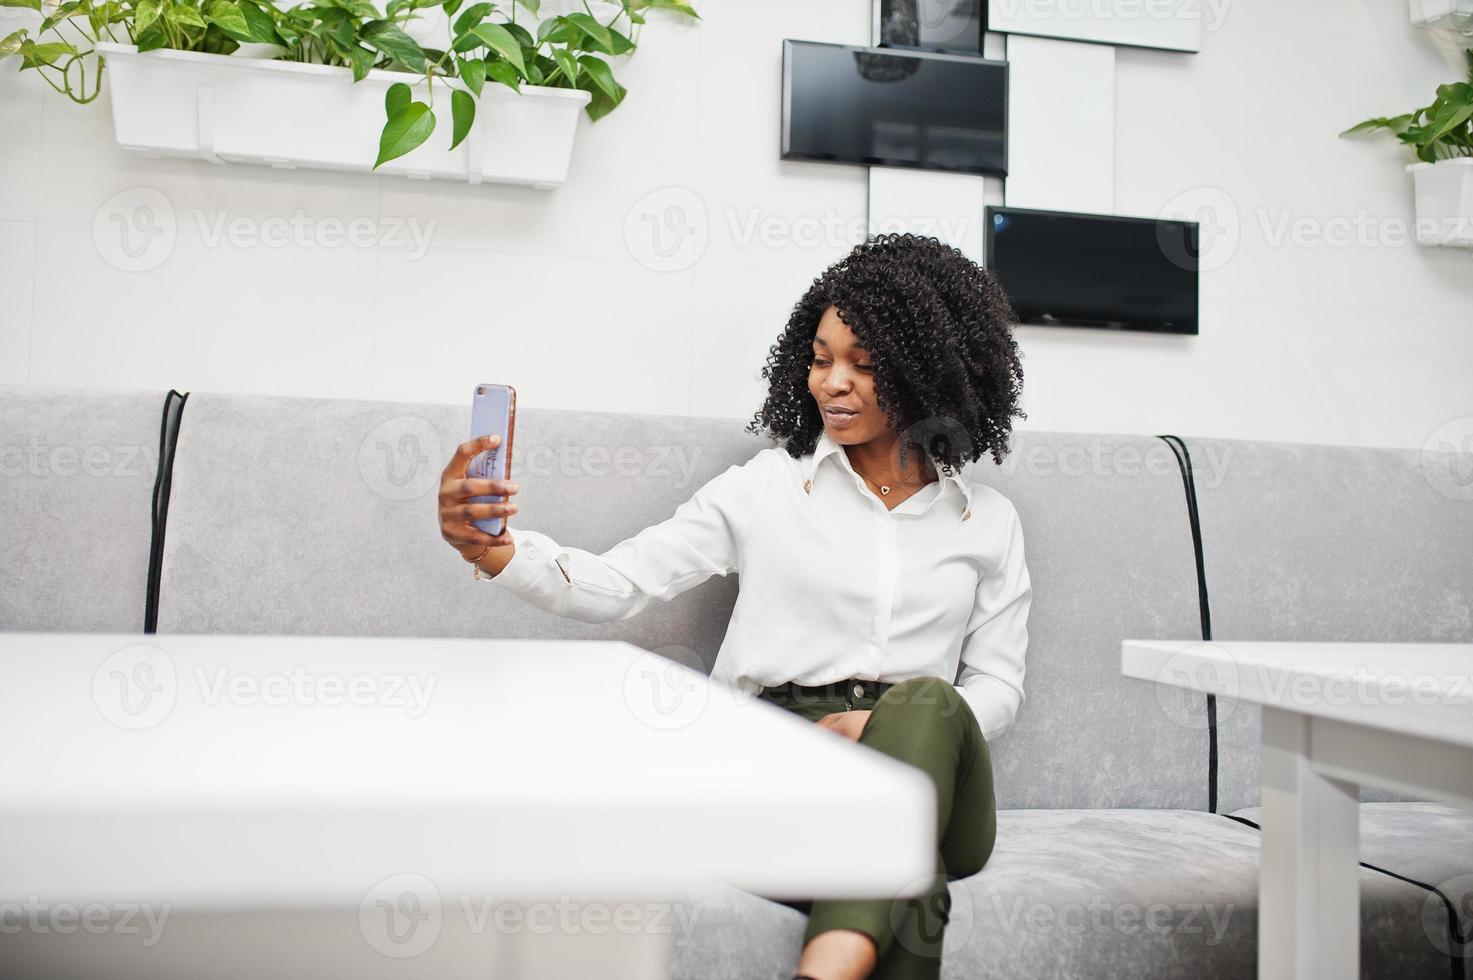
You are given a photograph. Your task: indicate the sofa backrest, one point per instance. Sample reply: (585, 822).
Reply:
(77, 471)
(319, 516)
(1308, 542)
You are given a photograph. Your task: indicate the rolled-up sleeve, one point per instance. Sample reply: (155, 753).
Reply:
(701, 539)
(992, 658)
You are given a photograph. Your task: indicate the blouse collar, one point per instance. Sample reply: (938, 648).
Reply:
(827, 447)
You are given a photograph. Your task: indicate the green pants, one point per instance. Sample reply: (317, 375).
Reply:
(923, 721)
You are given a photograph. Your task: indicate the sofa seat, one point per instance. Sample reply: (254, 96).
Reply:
(1080, 893)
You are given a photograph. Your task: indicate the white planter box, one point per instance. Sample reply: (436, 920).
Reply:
(228, 109)
(1443, 13)
(1444, 193)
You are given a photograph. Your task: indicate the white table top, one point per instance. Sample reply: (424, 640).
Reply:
(1421, 689)
(282, 770)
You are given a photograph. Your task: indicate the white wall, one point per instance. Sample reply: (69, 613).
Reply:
(561, 294)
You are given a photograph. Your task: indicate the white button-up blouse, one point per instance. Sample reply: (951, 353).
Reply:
(833, 584)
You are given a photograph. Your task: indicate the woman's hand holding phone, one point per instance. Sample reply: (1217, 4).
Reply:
(457, 511)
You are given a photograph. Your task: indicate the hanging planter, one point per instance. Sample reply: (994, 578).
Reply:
(343, 84)
(228, 109)
(1444, 195)
(1456, 14)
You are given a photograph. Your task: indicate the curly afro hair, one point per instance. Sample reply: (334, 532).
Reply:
(938, 329)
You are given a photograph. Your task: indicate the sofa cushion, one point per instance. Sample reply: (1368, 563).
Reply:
(77, 470)
(1309, 542)
(1080, 893)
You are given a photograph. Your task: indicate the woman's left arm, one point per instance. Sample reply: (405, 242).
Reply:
(991, 679)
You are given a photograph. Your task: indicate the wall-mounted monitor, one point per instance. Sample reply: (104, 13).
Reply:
(930, 25)
(1094, 270)
(883, 107)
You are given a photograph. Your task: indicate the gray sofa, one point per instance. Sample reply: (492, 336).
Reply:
(1127, 842)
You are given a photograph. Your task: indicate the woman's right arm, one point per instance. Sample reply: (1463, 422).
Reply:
(700, 540)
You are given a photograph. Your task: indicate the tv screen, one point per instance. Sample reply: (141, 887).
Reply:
(931, 25)
(879, 106)
(1095, 270)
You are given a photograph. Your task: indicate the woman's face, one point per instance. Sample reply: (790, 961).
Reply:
(842, 375)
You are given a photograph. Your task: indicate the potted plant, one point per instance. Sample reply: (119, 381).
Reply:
(337, 84)
(1442, 137)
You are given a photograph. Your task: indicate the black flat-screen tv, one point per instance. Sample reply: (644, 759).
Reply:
(1094, 270)
(879, 106)
(931, 25)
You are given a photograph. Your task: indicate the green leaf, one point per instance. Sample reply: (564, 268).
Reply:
(230, 19)
(144, 15)
(184, 15)
(473, 73)
(621, 44)
(500, 71)
(58, 15)
(463, 113)
(531, 5)
(261, 24)
(34, 55)
(395, 99)
(602, 76)
(499, 39)
(1451, 122)
(451, 6)
(597, 33)
(360, 60)
(524, 38)
(12, 43)
(28, 4)
(405, 130)
(567, 63)
(554, 31)
(385, 37)
(153, 38)
(472, 16)
(361, 9)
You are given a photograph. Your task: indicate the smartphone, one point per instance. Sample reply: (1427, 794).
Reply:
(493, 409)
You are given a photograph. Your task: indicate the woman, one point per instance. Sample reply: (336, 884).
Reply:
(873, 563)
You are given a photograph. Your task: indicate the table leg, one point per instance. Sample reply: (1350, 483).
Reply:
(1309, 874)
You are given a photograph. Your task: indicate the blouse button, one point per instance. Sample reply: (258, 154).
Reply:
(807, 486)
(966, 513)
(859, 690)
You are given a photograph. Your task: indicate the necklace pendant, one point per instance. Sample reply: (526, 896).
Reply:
(884, 489)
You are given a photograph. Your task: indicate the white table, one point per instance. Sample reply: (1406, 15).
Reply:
(1335, 715)
(364, 807)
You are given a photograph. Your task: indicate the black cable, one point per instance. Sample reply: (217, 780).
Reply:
(162, 486)
(1189, 485)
